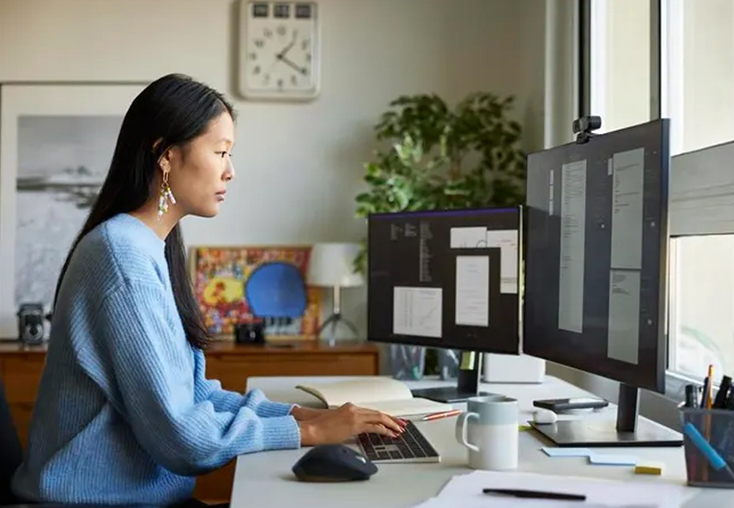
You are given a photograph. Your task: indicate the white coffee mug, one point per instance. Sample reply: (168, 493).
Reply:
(489, 429)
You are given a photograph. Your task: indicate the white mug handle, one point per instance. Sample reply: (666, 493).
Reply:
(461, 430)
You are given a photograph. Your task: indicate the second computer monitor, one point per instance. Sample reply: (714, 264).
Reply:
(596, 268)
(445, 279)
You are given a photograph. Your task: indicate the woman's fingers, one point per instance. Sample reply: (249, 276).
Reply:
(377, 417)
(376, 428)
(390, 423)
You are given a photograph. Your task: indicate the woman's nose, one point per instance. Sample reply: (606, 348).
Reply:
(229, 172)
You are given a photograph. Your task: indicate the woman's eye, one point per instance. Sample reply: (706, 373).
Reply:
(221, 154)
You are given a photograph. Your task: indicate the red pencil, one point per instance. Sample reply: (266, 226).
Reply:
(443, 414)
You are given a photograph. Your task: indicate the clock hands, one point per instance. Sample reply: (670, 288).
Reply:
(281, 55)
(283, 59)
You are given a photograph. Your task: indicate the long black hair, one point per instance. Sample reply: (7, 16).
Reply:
(169, 112)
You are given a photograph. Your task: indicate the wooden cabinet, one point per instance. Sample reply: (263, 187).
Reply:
(232, 364)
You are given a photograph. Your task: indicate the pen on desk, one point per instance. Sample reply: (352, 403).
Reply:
(442, 414)
(535, 494)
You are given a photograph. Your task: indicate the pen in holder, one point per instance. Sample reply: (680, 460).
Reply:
(709, 446)
(407, 362)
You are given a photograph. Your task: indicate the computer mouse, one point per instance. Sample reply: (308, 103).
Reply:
(333, 463)
(544, 417)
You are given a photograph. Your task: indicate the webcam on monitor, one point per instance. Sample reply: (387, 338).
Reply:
(584, 126)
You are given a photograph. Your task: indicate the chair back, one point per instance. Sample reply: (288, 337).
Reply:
(11, 452)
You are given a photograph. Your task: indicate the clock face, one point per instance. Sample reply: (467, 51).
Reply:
(280, 46)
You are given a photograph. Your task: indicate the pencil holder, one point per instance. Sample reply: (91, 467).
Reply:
(708, 440)
(407, 362)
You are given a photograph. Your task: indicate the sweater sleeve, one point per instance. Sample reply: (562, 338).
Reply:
(154, 368)
(226, 400)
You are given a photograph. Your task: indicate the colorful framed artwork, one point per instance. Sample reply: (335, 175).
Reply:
(259, 284)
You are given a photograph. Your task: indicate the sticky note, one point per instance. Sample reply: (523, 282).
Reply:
(654, 468)
(567, 452)
(604, 459)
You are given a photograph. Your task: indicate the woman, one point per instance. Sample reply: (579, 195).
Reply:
(124, 413)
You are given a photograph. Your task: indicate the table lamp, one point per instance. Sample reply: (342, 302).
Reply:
(332, 265)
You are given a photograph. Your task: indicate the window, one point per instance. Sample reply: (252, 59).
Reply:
(696, 77)
(620, 62)
(702, 305)
(698, 72)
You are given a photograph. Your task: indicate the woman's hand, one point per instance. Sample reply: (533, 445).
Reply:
(339, 425)
(302, 414)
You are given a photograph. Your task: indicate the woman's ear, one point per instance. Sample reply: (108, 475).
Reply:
(164, 162)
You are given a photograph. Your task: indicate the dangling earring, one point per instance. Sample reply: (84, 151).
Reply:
(165, 196)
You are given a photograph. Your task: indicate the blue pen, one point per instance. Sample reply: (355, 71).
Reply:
(708, 451)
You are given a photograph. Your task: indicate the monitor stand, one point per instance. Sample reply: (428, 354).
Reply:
(467, 384)
(628, 431)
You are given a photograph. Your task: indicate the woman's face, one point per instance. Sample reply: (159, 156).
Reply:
(200, 170)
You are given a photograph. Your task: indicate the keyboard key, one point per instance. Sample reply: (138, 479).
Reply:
(410, 446)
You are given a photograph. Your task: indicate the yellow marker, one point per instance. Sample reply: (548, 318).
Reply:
(650, 468)
(522, 427)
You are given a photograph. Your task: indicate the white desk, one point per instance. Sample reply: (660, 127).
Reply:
(265, 479)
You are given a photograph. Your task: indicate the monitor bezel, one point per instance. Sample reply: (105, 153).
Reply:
(412, 340)
(641, 378)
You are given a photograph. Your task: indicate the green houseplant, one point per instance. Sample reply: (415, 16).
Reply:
(437, 157)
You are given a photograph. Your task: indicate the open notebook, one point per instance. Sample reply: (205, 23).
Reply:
(384, 394)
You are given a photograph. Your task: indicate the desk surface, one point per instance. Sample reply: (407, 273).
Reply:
(265, 479)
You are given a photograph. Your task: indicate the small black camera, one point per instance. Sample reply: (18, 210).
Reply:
(31, 326)
(250, 333)
(584, 126)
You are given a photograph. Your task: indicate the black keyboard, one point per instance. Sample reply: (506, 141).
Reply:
(410, 446)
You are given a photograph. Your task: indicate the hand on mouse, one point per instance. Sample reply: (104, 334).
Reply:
(338, 425)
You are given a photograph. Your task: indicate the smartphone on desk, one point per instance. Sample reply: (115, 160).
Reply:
(571, 404)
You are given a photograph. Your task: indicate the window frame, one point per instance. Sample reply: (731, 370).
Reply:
(666, 101)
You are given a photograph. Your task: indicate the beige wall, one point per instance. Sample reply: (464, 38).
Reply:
(372, 52)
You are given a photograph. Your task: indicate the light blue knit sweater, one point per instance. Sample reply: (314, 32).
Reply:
(124, 413)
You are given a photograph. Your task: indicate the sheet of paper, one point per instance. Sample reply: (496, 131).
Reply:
(408, 407)
(628, 186)
(472, 290)
(566, 452)
(573, 236)
(466, 490)
(610, 459)
(469, 238)
(506, 240)
(417, 311)
(509, 502)
(623, 340)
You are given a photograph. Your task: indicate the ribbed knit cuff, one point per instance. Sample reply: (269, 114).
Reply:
(268, 409)
(281, 432)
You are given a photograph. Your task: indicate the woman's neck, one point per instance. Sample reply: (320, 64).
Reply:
(148, 215)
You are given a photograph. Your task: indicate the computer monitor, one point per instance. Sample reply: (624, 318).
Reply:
(596, 270)
(446, 279)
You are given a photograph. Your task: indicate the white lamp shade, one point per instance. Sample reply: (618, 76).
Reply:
(332, 264)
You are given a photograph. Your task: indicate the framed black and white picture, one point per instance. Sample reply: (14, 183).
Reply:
(56, 143)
